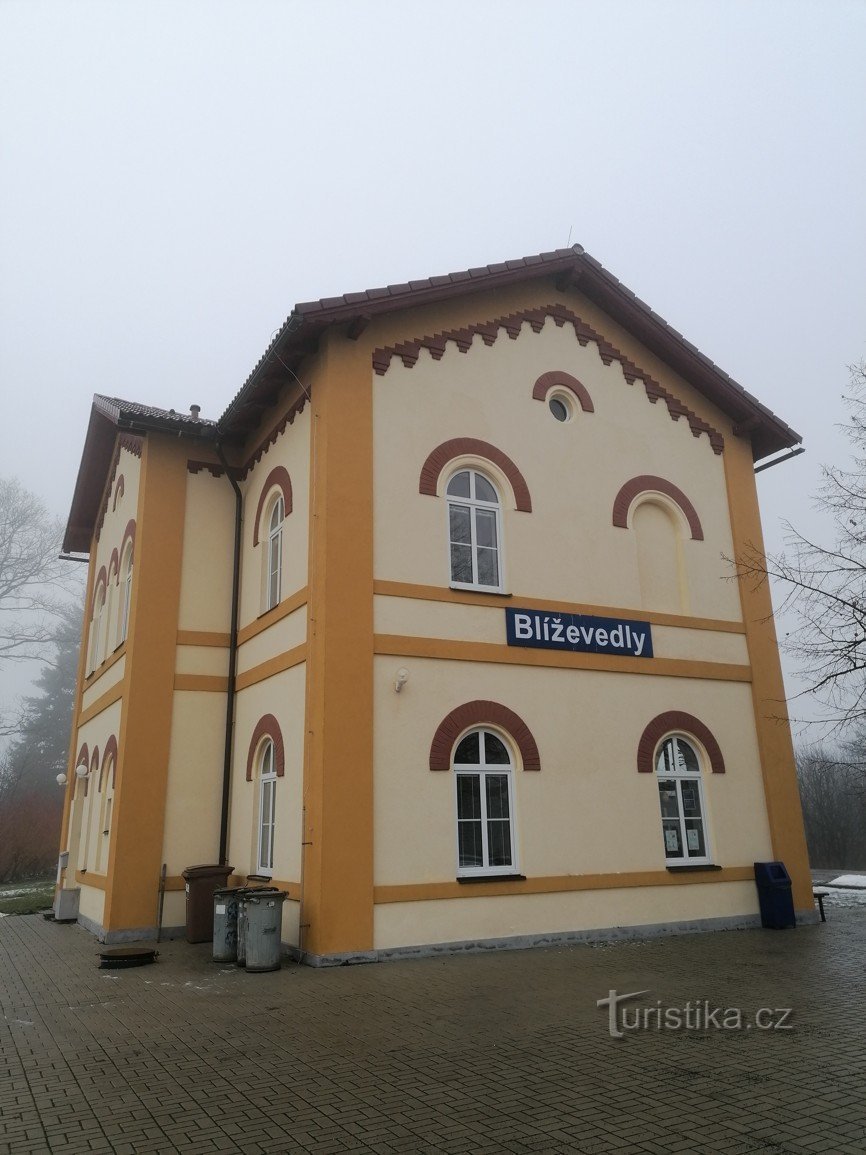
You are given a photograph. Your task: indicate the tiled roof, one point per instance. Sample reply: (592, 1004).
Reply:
(122, 412)
(571, 268)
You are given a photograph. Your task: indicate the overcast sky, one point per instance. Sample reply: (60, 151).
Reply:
(175, 175)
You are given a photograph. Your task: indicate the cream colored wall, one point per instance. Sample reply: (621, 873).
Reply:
(414, 618)
(213, 661)
(283, 635)
(567, 548)
(103, 682)
(208, 548)
(194, 789)
(91, 903)
(283, 696)
(292, 451)
(95, 733)
(588, 810)
(111, 536)
(472, 919)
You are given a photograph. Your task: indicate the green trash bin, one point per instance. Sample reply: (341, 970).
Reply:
(264, 920)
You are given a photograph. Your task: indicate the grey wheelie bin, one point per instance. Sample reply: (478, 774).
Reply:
(264, 920)
(244, 893)
(774, 895)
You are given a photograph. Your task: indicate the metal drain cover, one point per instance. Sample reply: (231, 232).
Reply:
(126, 956)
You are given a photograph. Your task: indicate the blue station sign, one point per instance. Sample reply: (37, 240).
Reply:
(579, 633)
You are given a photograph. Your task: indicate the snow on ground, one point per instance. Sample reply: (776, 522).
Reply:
(855, 881)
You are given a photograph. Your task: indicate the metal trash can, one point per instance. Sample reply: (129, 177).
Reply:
(774, 895)
(264, 920)
(225, 924)
(201, 882)
(243, 894)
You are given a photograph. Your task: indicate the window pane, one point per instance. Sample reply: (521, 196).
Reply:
(461, 563)
(488, 567)
(459, 517)
(695, 844)
(467, 750)
(495, 751)
(458, 486)
(691, 796)
(468, 796)
(668, 799)
(484, 491)
(687, 759)
(497, 795)
(665, 761)
(485, 527)
(558, 409)
(469, 845)
(673, 843)
(276, 514)
(499, 843)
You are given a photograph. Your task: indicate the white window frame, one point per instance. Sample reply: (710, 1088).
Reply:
(273, 573)
(483, 770)
(266, 762)
(125, 596)
(99, 631)
(679, 777)
(475, 504)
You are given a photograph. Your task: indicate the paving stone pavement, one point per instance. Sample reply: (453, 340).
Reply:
(498, 1052)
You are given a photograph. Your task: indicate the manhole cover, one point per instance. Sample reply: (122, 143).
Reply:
(126, 956)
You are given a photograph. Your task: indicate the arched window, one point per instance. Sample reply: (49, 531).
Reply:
(678, 770)
(474, 531)
(484, 784)
(125, 595)
(97, 635)
(274, 553)
(267, 773)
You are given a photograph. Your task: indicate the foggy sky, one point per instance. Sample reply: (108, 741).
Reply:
(176, 175)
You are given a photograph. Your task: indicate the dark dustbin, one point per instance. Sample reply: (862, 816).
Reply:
(225, 924)
(774, 895)
(201, 882)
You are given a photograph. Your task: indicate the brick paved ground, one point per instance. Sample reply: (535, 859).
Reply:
(505, 1052)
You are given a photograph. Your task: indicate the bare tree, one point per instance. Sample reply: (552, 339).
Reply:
(33, 580)
(826, 583)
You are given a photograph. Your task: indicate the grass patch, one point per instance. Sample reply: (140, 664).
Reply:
(36, 899)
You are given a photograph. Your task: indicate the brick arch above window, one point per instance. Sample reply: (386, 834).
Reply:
(118, 492)
(558, 379)
(436, 462)
(647, 483)
(114, 566)
(480, 713)
(267, 727)
(278, 478)
(673, 722)
(109, 758)
(101, 583)
(128, 535)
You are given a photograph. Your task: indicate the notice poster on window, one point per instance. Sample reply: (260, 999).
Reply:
(672, 842)
(693, 840)
(578, 633)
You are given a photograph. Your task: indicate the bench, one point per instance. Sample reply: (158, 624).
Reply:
(819, 893)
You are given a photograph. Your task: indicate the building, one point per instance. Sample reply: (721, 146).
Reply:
(435, 628)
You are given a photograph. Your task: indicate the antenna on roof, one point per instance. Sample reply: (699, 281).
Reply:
(568, 242)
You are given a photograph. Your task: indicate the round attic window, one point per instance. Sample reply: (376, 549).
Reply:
(559, 407)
